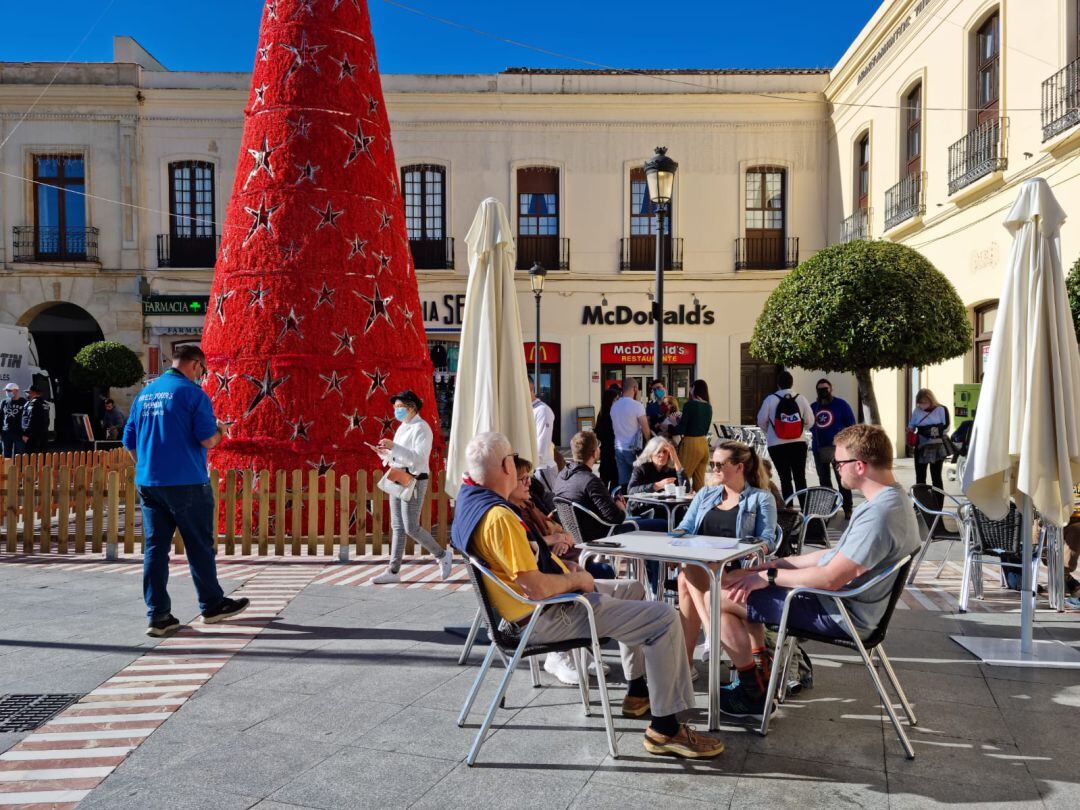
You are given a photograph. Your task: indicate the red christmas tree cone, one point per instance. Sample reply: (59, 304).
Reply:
(314, 318)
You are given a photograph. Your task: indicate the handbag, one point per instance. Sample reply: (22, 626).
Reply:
(398, 483)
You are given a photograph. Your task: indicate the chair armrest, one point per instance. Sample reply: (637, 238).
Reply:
(848, 593)
(551, 600)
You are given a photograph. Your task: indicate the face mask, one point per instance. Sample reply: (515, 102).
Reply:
(824, 394)
(401, 414)
(660, 392)
(9, 394)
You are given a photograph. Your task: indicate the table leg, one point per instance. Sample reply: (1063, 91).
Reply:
(715, 650)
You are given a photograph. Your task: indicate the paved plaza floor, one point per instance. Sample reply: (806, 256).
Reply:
(338, 694)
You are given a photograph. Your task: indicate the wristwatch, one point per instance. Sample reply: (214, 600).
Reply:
(771, 575)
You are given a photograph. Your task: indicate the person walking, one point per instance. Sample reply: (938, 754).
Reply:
(410, 450)
(694, 426)
(631, 428)
(11, 408)
(929, 422)
(784, 415)
(35, 421)
(544, 417)
(609, 469)
(172, 425)
(831, 415)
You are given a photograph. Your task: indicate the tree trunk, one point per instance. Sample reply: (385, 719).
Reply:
(867, 396)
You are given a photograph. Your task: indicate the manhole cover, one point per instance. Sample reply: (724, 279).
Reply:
(30, 712)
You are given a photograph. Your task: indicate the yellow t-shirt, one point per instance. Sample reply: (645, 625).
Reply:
(500, 540)
(1076, 501)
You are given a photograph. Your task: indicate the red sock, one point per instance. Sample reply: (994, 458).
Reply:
(763, 659)
(751, 674)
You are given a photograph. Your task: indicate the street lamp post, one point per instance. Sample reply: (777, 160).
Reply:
(660, 175)
(537, 274)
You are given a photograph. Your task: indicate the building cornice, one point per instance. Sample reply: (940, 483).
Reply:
(404, 125)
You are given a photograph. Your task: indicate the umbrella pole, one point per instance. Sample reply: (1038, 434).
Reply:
(1027, 604)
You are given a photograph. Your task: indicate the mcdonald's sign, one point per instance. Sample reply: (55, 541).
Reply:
(549, 352)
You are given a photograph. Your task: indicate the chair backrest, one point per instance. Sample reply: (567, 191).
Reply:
(819, 501)
(997, 536)
(568, 518)
(935, 503)
(790, 528)
(587, 525)
(878, 635)
(506, 642)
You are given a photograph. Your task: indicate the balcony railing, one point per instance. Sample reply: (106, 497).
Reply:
(50, 243)
(905, 200)
(639, 253)
(857, 226)
(184, 251)
(1061, 101)
(552, 252)
(433, 254)
(977, 154)
(766, 252)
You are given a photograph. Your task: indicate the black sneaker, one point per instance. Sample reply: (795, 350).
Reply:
(226, 610)
(742, 701)
(1072, 587)
(159, 628)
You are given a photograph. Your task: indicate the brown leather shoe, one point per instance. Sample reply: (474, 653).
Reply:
(635, 706)
(687, 743)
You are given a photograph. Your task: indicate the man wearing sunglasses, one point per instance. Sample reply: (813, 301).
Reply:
(882, 531)
(172, 425)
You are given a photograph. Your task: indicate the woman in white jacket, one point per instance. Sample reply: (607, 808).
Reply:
(410, 450)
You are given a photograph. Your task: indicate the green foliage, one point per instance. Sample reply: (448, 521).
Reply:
(862, 305)
(106, 364)
(1072, 287)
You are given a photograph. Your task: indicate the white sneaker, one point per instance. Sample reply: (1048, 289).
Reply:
(446, 563)
(705, 652)
(387, 577)
(592, 666)
(560, 665)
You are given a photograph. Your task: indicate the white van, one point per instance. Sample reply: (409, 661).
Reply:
(19, 363)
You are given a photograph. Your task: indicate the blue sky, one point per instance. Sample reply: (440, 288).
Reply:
(222, 34)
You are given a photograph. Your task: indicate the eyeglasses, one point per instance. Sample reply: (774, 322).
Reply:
(525, 479)
(838, 463)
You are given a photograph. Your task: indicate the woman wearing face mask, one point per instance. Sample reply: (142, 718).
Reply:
(694, 426)
(736, 502)
(409, 450)
(929, 420)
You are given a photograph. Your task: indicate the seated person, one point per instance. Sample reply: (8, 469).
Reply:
(657, 466)
(882, 531)
(735, 502)
(649, 633)
(578, 484)
(112, 421)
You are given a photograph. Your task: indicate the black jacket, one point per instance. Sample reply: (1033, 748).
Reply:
(576, 483)
(35, 418)
(645, 475)
(11, 414)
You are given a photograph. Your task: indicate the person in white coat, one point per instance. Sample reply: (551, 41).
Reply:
(546, 470)
(410, 450)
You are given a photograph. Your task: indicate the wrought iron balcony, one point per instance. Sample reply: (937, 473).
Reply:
(552, 252)
(187, 251)
(1061, 101)
(905, 200)
(857, 226)
(766, 252)
(433, 254)
(977, 154)
(639, 253)
(50, 243)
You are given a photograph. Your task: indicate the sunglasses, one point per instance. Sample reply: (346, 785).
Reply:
(837, 464)
(719, 465)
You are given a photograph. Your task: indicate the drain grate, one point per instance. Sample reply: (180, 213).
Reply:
(31, 712)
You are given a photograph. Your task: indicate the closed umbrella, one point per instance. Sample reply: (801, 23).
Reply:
(492, 391)
(1025, 443)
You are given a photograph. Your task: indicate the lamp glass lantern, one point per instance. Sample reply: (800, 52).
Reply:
(660, 176)
(537, 274)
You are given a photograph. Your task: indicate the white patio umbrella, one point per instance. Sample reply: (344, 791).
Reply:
(492, 391)
(1025, 443)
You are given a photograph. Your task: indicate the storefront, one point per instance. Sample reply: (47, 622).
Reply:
(634, 359)
(550, 386)
(171, 321)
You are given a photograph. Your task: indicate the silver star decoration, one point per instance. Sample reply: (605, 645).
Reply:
(224, 379)
(372, 67)
(262, 160)
(299, 128)
(361, 143)
(219, 303)
(329, 216)
(379, 308)
(356, 421)
(378, 380)
(345, 342)
(300, 429)
(322, 465)
(225, 253)
(387, 423)
(372, 105)
(260, 95)
(304, 5)
(358, 247)
(347, 67)
(326, 296)
(264, 53)
(290, 323)
(385, 218)
(228, 425)
(333, 383)
(257, 293)
(271, 10)
(385, 144)
(407, 314)
(266, 389)
(307, 173)
(289, 253)
(303, 55)
(384, 262)
(356, 4)
(260, 218)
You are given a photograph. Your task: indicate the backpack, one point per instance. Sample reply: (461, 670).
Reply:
(788, 421)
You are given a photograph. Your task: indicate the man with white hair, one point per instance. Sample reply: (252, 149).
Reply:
(649, 633)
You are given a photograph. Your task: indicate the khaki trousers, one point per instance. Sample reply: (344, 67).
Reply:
(694, 455)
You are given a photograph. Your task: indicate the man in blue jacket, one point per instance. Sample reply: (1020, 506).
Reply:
(831, 415)
(171, 427)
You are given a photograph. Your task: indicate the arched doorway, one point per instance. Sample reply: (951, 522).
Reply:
(757, 379)
(59, 331)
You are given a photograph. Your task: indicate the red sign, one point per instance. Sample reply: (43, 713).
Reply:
(641, 352)
(549, 352)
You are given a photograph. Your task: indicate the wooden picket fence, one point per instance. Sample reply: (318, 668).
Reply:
(94, 507)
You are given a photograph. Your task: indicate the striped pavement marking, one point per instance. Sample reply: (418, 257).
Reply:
(62, 762)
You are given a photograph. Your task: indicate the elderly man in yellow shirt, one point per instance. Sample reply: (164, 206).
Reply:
(649, 633)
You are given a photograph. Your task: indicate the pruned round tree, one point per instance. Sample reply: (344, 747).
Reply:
(861, 306)
(106, 364)
(1072, 287)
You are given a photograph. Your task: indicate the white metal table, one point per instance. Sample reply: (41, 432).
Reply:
(657, 546)
(669, 502)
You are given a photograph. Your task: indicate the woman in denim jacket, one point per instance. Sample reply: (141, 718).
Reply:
(736, 502)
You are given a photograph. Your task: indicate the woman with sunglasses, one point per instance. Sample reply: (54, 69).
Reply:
(735, 502)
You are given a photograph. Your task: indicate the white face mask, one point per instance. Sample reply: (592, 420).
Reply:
(9, 394)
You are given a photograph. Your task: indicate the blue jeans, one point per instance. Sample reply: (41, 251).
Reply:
(12, 443)
(191, 509)
(624, 461)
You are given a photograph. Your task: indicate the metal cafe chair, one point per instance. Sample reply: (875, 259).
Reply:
(872, 646)
(990, 542)
(512, 646)
(817, 503)
(939, 505)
